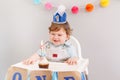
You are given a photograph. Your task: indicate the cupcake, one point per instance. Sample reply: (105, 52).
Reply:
(43, 63)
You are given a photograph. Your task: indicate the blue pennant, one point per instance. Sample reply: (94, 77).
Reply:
(54, 76)
(83, 77)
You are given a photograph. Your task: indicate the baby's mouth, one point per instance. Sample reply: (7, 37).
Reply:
(56, 40)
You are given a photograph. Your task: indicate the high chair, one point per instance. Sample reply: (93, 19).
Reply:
(56, 71)
(77, 45)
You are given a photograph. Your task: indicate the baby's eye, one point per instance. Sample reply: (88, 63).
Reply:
(59, 34)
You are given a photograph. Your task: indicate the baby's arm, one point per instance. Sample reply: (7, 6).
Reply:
(31, 59)
(74, 57)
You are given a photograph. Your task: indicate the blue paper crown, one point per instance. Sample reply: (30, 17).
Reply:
(60, 16)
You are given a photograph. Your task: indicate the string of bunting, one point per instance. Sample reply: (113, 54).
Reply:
(89, 7)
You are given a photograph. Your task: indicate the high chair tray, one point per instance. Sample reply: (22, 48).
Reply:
(56, 66)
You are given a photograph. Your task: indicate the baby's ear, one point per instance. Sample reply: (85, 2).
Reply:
(68, 37)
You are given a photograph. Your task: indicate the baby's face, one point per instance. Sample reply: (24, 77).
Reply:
(58, 37)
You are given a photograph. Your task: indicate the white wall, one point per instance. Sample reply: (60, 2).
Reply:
(23, 25)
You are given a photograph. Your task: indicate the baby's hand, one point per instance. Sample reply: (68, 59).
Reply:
(29, 61)
(72, 61)
(32, 59)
